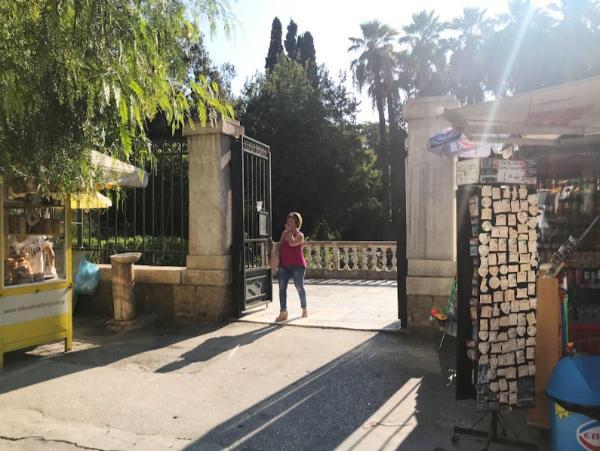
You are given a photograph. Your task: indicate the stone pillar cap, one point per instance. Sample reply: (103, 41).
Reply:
(229, 127)
(428, 107)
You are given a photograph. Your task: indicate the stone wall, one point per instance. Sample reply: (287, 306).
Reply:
(162, 291)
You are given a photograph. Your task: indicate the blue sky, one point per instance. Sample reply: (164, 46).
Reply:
(331, 22)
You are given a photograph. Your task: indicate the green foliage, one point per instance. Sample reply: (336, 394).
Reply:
(275, 47)
(559, 44)
(306, 49)
(77, 75)
(423, 57)
(467, 64)
(529, 47)
(290, 39)
(373, 68)
(150, 246)
(298, 48)
(199, 63)
(321, 166)
(473, 57)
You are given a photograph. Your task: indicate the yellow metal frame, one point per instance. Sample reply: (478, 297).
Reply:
(41, 330)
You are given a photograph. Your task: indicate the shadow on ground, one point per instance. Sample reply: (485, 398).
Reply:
(215, 346)
(386, 393)
(389, 392)
(96, 346)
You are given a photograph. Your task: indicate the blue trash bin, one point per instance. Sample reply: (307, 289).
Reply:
(574, 388)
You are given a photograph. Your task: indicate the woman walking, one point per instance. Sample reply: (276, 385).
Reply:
(292, 264)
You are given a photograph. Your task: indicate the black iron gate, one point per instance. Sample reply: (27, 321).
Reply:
(153, 220)
(251, 228)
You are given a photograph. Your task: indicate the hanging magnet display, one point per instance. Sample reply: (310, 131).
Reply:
(499, 323)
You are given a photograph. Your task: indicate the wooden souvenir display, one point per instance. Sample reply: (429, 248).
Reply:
(547, 344)
(503, 286)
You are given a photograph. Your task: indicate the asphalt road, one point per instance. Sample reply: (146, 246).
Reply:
(241, 386)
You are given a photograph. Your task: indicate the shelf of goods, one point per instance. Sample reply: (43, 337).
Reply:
(570, 206)
(36, 283)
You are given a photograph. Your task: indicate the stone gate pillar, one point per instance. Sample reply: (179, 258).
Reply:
(205, 292)
(431, 209)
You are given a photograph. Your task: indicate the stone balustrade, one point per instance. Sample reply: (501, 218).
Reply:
(351, 259)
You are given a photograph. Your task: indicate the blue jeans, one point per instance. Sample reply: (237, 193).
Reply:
(285, 274)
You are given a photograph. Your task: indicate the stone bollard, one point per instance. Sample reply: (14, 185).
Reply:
(123, 281)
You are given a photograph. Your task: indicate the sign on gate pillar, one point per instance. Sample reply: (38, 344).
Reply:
(206, 289)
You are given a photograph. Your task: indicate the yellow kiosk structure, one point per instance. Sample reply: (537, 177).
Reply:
(36, 287)
(36, 265)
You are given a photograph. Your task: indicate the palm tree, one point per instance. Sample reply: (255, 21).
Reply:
(375, 47)
(518, 52)
(575, 40)
(425, 54)
(367, 69)
(467, 63)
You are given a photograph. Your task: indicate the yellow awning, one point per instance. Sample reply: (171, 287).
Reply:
(89, 201)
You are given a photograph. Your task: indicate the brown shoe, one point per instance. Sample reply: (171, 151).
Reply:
(283, 315)
(304, 313)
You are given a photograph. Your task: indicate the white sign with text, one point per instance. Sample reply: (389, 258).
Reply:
(467, 172)
(28, 307)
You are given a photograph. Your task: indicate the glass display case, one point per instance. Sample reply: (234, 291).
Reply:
(34, 239)
(35, 290)
(571, 203)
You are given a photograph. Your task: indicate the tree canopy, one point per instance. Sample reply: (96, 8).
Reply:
(369, 68)
(77, 75)
(291, 44)
(323, 165)
(275, 46)
(474, 57)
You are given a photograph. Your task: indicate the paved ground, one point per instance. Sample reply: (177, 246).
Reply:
(242, 386)
(369, 305)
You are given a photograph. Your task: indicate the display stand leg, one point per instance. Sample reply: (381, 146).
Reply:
(68, 344)
(491, 435)
(442, 340)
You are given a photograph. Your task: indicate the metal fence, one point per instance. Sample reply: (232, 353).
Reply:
(153, 220)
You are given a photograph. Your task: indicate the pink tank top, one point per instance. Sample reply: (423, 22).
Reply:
(291, 256)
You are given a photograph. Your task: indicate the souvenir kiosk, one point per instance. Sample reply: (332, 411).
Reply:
(35, 290)
(557, 129)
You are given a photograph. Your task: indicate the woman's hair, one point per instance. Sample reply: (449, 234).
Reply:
(297, 217)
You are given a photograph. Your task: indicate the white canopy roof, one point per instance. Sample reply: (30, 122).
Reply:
(541, 117)
(119, 173)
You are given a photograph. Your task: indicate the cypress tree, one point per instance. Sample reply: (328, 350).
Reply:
(299, 45)
(306, 49)
(275, 47)
(290, 43)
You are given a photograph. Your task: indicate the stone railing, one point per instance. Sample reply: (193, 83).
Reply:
(351, 259)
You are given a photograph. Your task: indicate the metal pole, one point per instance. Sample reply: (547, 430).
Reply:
(79, 228)
(398, 179)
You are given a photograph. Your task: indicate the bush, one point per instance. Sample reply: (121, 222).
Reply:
(157, 251)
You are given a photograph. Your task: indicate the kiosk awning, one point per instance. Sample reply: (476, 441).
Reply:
(89, 201)
(562, 115)
(118, 173)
